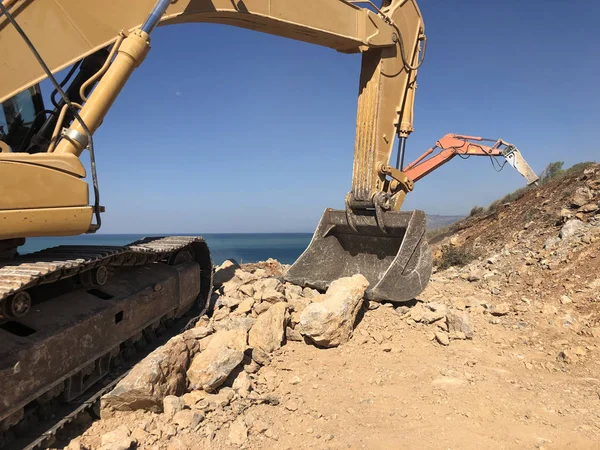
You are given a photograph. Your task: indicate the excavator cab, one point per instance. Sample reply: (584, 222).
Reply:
(20, 117)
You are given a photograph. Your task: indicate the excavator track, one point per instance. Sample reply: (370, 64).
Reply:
(90, 309)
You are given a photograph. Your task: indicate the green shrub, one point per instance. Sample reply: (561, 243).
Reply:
(454, 256)
(476, 210)
(552, 170)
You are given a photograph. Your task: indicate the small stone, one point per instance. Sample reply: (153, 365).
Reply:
(242, 384)
(501, 309)
(589, 207)
(457, 335)
(118, 439)
(220, 314)
(259, 426)
(247, 289)
(565, 300)
(292, 291)
(371, 305)
(291, 405)
(309, 292)
(191, 398)
(377, 336)
(260, 356)
(172, 405)
(220, 399)
(459, 323)
(272, 296)
(271, 434)
(568, 356)
(528, 366)
(188, 419)
(238, 432)
(229, 302)
(386, 347)
(442, 338)
(291, 334)
(294, 380)
(169, 431)
(261, 307)
(473, 276)
(245, 306)
(565, 214)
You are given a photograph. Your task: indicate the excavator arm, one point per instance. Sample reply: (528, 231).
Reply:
(452, 145)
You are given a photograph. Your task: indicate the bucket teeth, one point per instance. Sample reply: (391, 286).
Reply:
(397, 262)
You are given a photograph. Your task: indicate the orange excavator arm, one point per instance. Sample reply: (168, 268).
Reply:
(452, 145)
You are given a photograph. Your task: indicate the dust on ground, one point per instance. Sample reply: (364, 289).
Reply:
(502, 353)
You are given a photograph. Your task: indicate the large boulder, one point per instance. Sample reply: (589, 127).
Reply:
(269, 330)
(573, 227)
(581, 196)
(160, 374)
(225, 272)
(210, 368)
(330, 322)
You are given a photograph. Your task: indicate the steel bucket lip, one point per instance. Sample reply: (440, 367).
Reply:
(391, 282)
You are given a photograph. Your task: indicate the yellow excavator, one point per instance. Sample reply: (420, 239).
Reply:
(69, 312)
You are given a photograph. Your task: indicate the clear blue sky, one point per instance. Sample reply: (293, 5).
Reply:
(226, 130)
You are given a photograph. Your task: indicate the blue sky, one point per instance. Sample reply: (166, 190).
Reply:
(227, 130)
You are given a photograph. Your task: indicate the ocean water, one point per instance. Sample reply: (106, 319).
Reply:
(244, 248)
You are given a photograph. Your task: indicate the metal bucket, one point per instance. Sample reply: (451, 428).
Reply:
(395, 258)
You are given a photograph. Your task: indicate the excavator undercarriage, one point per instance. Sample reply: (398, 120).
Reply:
(87, 305)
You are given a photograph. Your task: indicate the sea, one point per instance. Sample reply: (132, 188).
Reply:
(244, 248)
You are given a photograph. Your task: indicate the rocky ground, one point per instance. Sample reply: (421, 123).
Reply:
(502, 353)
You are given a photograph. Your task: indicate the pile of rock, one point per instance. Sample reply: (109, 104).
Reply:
(209, 375)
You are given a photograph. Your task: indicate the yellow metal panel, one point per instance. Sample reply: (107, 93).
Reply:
(45, 222)
(27, 186)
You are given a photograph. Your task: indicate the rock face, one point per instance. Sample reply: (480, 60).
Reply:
(210, 368)
(160, 374)
(581, 196)
(269, 330)
(331, 322)
(571, 228)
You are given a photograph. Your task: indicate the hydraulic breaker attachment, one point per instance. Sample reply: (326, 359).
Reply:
(390, 251)
(515, 158)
